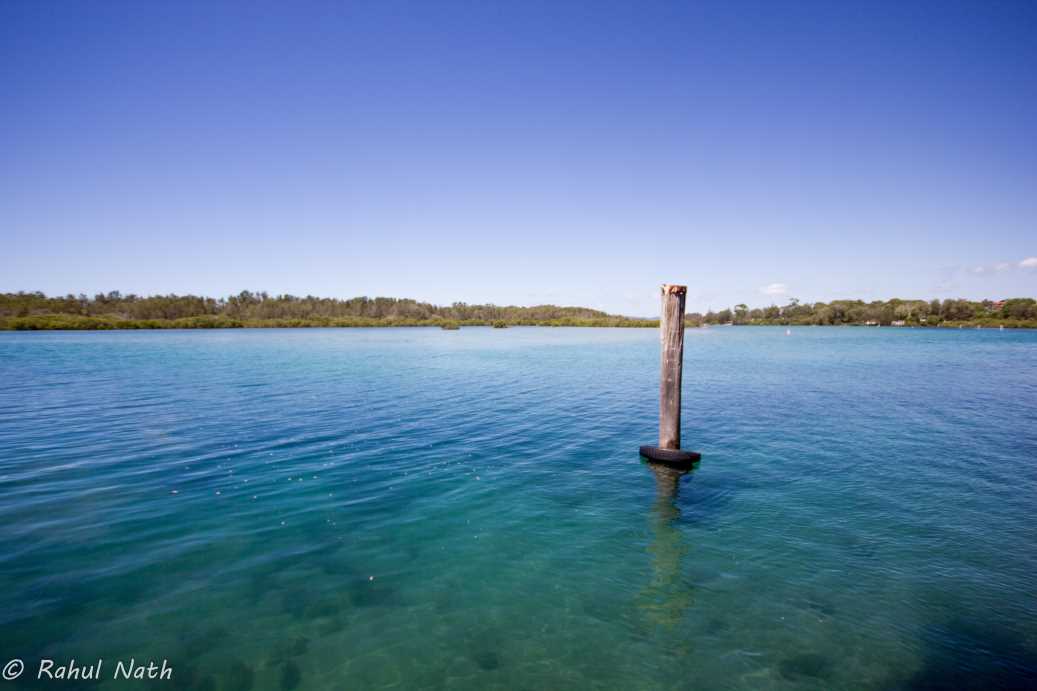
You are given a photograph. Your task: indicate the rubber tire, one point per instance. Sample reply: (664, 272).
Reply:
(677, 457)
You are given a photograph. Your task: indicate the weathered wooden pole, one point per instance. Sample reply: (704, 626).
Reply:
(671, 334)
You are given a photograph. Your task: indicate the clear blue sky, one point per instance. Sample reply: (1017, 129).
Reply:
(521, 152)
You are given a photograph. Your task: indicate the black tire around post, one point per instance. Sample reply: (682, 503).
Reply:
(674, 457)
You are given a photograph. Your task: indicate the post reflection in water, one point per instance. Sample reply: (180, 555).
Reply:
(667, 597)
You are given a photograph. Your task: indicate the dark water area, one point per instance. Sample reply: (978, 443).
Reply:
(416, 508)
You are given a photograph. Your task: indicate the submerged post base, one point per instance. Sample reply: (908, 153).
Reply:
(674, 457)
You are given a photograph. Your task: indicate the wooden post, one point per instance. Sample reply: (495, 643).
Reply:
(671, 333)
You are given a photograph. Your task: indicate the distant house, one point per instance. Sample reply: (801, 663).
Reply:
(998, 305)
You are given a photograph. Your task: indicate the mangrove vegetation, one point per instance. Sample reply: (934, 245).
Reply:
(1013, 313)
(32, 311)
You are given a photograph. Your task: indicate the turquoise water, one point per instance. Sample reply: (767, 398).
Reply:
(416, 508)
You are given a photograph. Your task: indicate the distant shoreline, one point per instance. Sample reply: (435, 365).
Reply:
(114, 311)
(65, 323)
(72, 323)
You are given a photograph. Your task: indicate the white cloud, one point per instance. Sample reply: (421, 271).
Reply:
(775, 289)
(1001, 267)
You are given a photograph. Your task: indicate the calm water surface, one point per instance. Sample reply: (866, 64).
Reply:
(416, 508)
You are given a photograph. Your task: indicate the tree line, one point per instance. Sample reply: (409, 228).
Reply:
(1016, 312)
(25, 310)
(114, 310)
